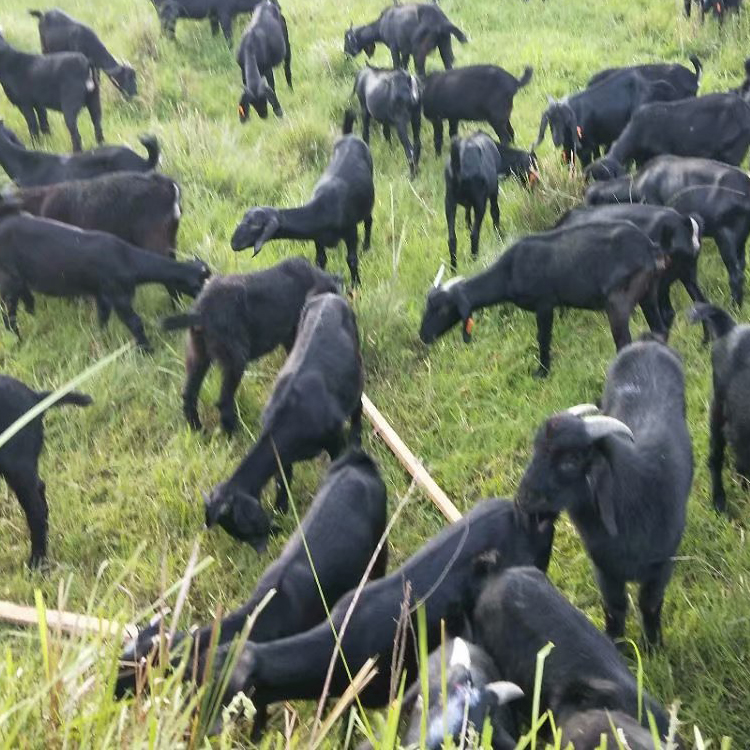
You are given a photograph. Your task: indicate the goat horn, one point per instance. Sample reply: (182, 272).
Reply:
(583, 410)
(439, 276)
(505, 691)
(460, 657)
(550, 100)
(600, 426)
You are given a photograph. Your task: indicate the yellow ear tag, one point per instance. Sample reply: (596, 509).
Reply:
(469, 327)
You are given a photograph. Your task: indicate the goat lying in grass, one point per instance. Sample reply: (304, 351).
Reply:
(239, 318)
(391, 97)
(40, 255)
(64, 82)
(19, 457)
(264, 45)
(317, 390)
(599, 266)
(414, 29)
(342, 198)
(32, 168)
(58, 32)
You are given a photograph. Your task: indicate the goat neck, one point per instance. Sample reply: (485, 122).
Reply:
(489, 287)
(258, 466)
(16, 160)
(302, 223)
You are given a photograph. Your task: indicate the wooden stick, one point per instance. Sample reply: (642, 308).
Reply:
(69, 622)
(409, 461)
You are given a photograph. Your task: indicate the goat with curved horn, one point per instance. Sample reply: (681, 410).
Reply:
(439, 276)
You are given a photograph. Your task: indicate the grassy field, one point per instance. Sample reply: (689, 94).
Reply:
(127, 472)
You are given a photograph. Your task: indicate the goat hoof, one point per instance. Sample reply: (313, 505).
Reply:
(539, 373)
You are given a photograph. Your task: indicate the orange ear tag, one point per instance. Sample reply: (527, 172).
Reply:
(241, 110)
(579, 131)
(469, 327)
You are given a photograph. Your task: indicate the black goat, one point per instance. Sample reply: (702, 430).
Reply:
(474, 691)
(518, 613)
(584, 731)
(610, 267)
(716, 192)
(32, 168)
(523, 165)
(719, 8)
(477, 93)
(683, 81)
(345, 522)
(730, 411)
(624, 477)
(64, 82)
(682, 253)
(411, 30)
(715, 126)
(58, 32)
(294, 668)
(587, 122)
(317, 390)
(45, 256)
(264, 44)
(19, 457)
(391, 97)
(239, 318)
(342, 198)
(471, 177)
(221, 13)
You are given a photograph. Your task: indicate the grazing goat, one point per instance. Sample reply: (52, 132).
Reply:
(316, 391)
(730, 408)
(391, 97)
(682, 252)
(477, 93)
(59, 32)
(295, 668)
(264, 45)
(411, 30)
(523, 165)
(33, 168)
(64, 82)
(610, 267)
(475, 693)
(240, 318)
(715, 126)
(471, 177)
(19, 457)
(584, 731)
(716, 192)
(719, 8)
(684, 82)
(587, 122)
(344, 523)
(221, 14)
(45, 256)
(624, 477)
(518, 613)
(342, 198)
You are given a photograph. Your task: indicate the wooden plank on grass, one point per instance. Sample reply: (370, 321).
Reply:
(409, 461)
(68, 622)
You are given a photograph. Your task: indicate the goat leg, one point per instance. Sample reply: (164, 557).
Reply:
(368, 232)
(103, 310)
(403, 136)
(131, 320)
(30, 491)
(437, 135)
(619, 306)
(283, 480)
(544, 320)
(197, 363)
(480, 206)
(495, 212)
(450, 218)
(41, 114)
(29, 114)
(650, 601)
(615, 603)
(351, 255)
(232, 376)
(650, 307)
(288, 55)
(321, 258)
(716, 453)
(725, 241)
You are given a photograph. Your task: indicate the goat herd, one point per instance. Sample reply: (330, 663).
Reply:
(102, 222)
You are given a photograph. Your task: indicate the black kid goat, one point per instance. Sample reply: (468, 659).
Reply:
(342, 198)
(391, 97)
(239, 318)
(411, 30)
(58, 32)
(624, 477)
(31, 168)
(730, 407)
(19, 457)
(264, 44)
(64, 82)
(611, 267)
(317, 390)
(221, 13)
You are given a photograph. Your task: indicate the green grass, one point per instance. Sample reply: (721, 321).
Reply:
(127, 472)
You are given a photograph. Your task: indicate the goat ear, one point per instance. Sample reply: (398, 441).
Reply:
(550, 100)
(369, 49)
(269, 230)
(601, 484)
(542, 129)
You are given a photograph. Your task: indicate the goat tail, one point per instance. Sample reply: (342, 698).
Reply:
(74, 398)
(455, 31)
(152, 148)
(36, 13)
(698, 68)
(91, 80)
(456, 157)
(747, 67)
(180, 322)
(719, 321)
(349, 118)
(528, 72)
